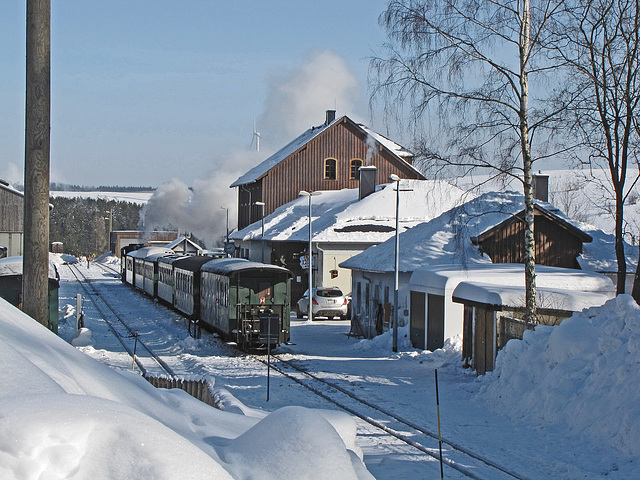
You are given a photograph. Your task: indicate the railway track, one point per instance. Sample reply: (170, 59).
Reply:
(419, 438)
(149, 363)
(459, 458)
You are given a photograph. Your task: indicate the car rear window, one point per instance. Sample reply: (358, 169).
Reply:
(334, 292)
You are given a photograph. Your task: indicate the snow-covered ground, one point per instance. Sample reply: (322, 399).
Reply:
(562, 403)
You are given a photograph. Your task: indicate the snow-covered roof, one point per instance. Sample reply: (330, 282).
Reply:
(502, 284)
(600, 255)
(259, 170)
(399, 150)
(186, 241)
(512, 274)
(509, 296)
(13, 266)
(446, 240)
(225, 266)
(145, 252)
(4, 185)
(338, 215)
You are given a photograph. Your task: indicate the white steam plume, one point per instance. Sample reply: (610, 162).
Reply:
(198, 209)
(299, 98)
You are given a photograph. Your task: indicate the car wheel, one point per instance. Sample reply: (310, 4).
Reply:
(298, 313)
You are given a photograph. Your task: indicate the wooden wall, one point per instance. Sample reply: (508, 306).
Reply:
(555, 245)
(304, 170)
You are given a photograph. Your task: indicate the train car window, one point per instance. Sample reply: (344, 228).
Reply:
(264, 290)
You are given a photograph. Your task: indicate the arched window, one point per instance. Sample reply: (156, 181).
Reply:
(356, 163)
(330, 169)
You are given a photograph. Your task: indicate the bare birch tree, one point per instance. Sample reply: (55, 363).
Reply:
(600, 43)
(468, 64)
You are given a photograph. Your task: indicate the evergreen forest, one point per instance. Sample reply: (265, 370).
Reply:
(82, 224)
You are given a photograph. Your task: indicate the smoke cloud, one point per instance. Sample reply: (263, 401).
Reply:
(298, 99)
(199, 209)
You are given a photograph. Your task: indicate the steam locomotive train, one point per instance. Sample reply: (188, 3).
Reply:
(245, 302)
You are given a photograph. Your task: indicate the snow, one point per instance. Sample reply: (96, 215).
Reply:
(562, 403)
(338, 215)
(445, 241)
(581, 376)
(13, 266)
(63, 415)
(139, 198)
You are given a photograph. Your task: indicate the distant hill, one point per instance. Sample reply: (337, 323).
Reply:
(65, 187)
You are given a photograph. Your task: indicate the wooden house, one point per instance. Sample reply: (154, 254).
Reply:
(11, 219)
(326, 157)
(558, 243)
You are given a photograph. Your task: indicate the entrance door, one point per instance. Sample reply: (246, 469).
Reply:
(435, 322)
(484, 354)
(416, 331)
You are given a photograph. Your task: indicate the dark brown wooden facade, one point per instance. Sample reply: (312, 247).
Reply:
(311, 167)
(558, 243)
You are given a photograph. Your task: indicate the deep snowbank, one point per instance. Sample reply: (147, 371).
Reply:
(64, 414)
(581, 375)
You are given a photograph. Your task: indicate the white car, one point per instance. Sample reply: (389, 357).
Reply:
(327, 302)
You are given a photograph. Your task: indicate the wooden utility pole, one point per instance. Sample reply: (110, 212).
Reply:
(35, 292)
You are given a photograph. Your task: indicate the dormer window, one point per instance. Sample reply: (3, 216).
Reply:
(356, 163)
(330, 169)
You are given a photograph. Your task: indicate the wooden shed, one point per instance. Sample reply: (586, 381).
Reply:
(326, 157)
(493, 313)
(558, 242)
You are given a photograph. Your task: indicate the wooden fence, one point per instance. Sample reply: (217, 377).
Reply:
(198, 389)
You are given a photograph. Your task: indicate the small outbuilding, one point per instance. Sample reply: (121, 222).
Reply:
(11, 286)
(493, 313)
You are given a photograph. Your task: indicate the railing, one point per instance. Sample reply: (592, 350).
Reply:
(510, 328)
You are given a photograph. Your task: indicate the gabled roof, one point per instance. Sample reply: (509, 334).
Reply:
(261, 169)
(186, 241)
(338, 215)
(544, 209)
(446, 240)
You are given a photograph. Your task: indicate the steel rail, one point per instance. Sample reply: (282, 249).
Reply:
(83, 283)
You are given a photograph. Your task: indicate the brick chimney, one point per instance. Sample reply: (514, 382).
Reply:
(541, 187)
(367, 181)
(331, 116)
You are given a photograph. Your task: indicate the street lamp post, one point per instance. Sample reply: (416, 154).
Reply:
(226, 243)
(312, 194)
(261, 204)
(396, 178)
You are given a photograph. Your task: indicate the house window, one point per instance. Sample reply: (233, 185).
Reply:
(330, 169)
(356, 163)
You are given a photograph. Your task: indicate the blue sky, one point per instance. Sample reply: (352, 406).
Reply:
(145, 91)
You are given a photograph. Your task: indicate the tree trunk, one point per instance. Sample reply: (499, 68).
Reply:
(35, 291)
(635, 293)
(620, 256)
(529, 235)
